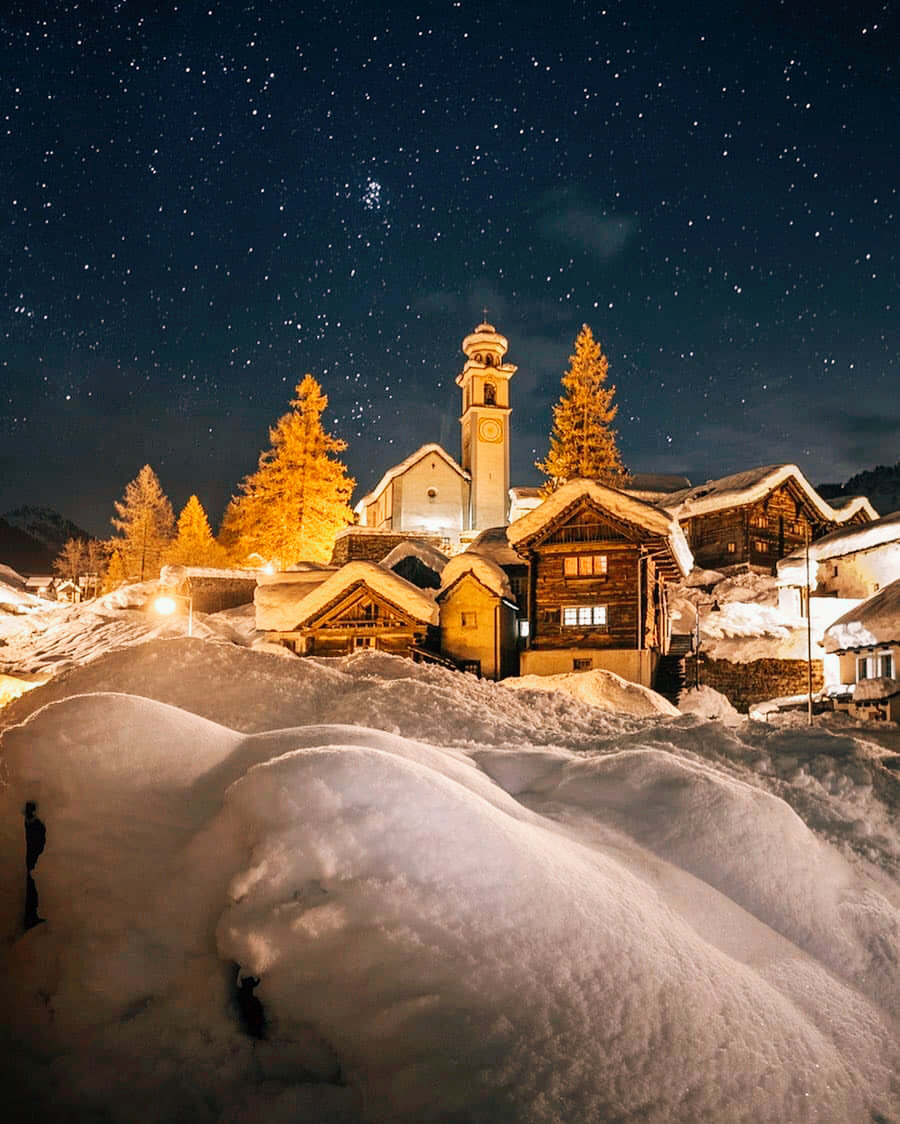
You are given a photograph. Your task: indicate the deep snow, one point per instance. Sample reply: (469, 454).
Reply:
(462, 902)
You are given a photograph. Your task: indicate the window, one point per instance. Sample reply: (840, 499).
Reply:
(875, 666)
(732, 548)
(584, 616)
(363, 642)
(760, 546)
(468, 620)
(584, 566)
(759, 521)
(490, 394)
(581, 665)
(524, 628)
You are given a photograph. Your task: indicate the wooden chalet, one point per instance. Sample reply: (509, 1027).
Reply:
(757, 517)
(361, 605)
(598, 561)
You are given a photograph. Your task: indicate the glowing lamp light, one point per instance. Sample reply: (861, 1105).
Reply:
(166, 605)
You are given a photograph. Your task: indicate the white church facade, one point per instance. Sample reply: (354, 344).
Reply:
(430, 493)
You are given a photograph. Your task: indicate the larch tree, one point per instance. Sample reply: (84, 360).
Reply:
(72, 560)
(194, 543)
(115, 573)
(583, 441)
(297, 501)
(145, 524)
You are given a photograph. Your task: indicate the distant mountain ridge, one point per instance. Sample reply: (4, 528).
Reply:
(32, 537)
(880, 485)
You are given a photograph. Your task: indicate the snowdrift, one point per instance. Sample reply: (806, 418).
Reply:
(496, 905)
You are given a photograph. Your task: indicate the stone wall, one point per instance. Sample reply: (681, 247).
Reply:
(213, 594)
(744, 684)
(360, 544)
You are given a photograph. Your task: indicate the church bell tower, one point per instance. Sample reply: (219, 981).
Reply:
(484, 381)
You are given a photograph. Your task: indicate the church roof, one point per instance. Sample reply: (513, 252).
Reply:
(404, 466)
(618, 504)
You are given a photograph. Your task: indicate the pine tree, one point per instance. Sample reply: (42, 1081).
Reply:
(583, 442)
(195, 544)
(146, 526)
(295, 503)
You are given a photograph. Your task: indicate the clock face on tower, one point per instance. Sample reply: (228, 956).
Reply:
(490, 429)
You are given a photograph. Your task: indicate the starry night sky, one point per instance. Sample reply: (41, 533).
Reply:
(205, 201)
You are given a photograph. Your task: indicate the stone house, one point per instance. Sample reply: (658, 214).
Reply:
(852, 562)
(478, 617)
(866, 641)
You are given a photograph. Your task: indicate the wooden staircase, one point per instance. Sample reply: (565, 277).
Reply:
(670, 678)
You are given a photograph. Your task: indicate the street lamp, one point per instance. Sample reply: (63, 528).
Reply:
(714, 608)
(166, 604)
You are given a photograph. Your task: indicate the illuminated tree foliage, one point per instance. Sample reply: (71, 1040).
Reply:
(194, 544)
(115, 573)
(295, 503)
(583, 441)
(145, 525)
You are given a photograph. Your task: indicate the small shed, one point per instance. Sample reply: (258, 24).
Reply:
(478, 617)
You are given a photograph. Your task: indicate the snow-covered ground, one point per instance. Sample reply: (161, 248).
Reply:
(461, 902)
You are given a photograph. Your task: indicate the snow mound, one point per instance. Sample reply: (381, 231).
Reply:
(705, 702)
(600, 688)
(631, 936)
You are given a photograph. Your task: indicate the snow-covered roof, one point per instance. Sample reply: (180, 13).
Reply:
(752, 486)
(174, 575)
(277, 597)
(417, 603)
(618, 504)
(427, 554)
(876, 621)
(492, 543)
(848, 540)
(404, 466)
(654, 486)
(482, 569)
(11, 577)
(876, 690)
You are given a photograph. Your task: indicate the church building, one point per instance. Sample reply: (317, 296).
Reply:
(431, 494)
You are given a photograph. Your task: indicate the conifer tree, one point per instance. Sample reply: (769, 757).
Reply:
(583, 441)
(295, 503)
(115, 573)
(194, 544)
(145, 526)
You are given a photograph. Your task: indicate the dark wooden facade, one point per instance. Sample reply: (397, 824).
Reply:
(758, 534)
(360, 617)
(596, 581)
